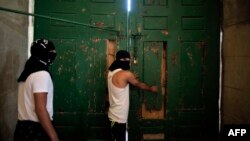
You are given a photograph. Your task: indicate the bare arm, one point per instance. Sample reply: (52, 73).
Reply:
(135, 82)
(43, 115)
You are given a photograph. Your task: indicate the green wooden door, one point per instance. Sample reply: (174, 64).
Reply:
(173, 43)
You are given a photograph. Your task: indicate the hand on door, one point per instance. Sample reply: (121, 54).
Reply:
(154, 89)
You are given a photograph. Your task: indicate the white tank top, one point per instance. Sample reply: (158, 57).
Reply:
(118, 100)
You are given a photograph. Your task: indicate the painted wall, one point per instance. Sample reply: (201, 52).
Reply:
(13, 53)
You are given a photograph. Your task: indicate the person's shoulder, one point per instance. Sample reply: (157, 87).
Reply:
(41, 73)
(125, 72)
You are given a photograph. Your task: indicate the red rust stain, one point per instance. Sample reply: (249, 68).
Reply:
(164, 32)
(99, 24)
(174, 59)
(95, 40)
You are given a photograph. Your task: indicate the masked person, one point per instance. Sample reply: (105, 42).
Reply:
(119, 79)
(35, 95)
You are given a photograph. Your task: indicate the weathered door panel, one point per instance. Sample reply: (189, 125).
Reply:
(153, 107)
(174, 44)
(149, 35)
(152, 54)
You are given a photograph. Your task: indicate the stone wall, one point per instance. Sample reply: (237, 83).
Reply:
(13, 53)
(236, 62)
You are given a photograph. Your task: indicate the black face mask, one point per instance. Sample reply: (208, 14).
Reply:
(42, 55)
(122, 61)
(125, 65)
(42, 50)
(51, 57)
(32, 65)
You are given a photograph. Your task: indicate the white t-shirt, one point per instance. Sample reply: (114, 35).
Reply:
(118, 100)
(36, 82)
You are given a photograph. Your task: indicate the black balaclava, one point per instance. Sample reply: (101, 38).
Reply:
(122, 61)
(42, 56)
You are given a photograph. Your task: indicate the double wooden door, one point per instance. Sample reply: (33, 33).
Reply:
(174, 44)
